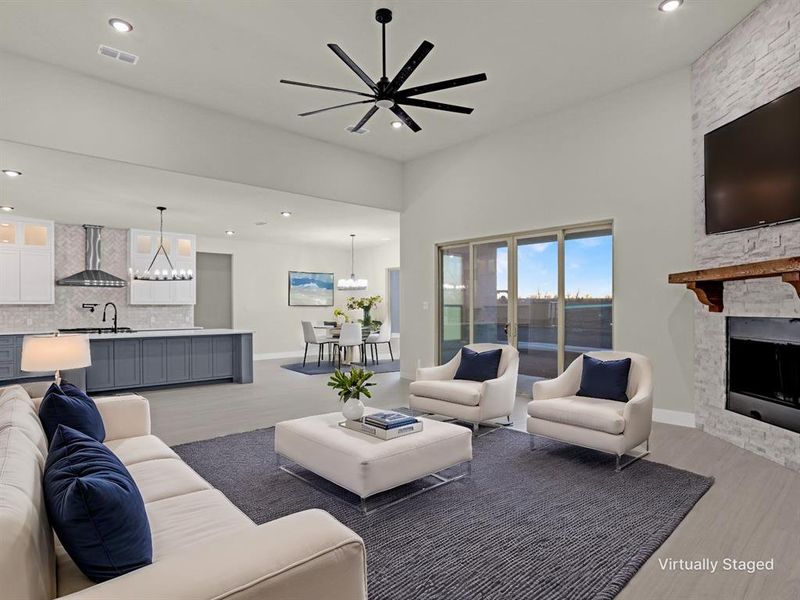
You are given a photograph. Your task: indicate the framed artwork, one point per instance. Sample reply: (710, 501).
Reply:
(310, 289)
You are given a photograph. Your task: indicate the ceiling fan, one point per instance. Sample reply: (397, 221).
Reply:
(387, 94)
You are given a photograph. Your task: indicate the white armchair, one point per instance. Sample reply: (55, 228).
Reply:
(605, 425)
(437, 392)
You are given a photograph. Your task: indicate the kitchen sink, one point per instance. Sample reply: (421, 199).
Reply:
(97, 330)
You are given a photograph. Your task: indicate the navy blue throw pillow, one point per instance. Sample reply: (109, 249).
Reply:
(478, 366)
(69, 405)
(95, 507)
(606, 379)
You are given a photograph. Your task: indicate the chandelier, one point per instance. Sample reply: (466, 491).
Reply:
(171, 274)
(352, 284)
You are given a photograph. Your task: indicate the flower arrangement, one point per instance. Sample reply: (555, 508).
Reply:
(338, 313)
(366, 304)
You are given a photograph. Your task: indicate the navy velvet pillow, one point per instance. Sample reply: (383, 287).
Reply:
(479, 366)
(605, 378)
(95, 507)
(69, 405)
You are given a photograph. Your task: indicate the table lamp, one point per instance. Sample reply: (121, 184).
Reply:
(55, 353)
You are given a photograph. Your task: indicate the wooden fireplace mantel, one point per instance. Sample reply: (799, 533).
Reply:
(707, 284)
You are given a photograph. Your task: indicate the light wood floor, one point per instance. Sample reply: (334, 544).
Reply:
(752, 512)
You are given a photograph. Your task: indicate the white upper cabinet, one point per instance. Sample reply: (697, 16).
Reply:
(27, 261)
(180, 247)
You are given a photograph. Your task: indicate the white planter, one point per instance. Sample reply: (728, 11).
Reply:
(353, 409)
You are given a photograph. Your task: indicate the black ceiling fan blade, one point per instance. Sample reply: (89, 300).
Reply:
(441, 85)
(405, 118)
(364, 119)
(313, 112)
(325, 87)
(435, 105)
(408, 68)
(353, 66)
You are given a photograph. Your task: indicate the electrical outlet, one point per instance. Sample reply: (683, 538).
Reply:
(776, 239)
(29, 321)
(749, 244)
(425, 305)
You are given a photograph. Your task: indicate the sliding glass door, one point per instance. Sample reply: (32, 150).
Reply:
(547, 293)
(537, 305)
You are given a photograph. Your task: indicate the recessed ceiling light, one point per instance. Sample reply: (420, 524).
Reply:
(120, 25)
(286, 213)
(386, 239)
(6, 208)
(229, 232)
(397, 124)
(670, 5)
(261, 223)
(12, 173)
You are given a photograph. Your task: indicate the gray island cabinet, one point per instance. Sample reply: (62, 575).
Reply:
(151, 358)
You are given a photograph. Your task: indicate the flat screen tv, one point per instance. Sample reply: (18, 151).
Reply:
(752, 168)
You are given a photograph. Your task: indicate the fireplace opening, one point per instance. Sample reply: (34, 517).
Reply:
(764, 370)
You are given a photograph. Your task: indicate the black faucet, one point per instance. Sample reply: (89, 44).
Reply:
(105, 308)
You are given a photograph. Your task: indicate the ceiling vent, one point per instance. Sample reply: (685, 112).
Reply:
(119, 55)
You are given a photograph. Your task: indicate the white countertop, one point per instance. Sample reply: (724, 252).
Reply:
(146, 333)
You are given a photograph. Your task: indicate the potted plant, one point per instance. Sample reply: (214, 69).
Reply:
(351, 385)
(366, 304)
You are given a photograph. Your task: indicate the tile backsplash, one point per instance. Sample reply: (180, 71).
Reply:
(67, 311)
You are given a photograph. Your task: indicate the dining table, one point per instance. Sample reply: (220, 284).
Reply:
(333, 332)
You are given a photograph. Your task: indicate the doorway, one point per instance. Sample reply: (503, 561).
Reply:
(214, 305)
(548, 293)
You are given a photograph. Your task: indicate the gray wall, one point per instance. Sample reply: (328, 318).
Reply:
(214, 306)
(756, 62)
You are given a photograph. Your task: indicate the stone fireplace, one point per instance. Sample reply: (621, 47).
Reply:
(755, 63)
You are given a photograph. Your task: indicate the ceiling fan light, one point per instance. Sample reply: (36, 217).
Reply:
(670, 5)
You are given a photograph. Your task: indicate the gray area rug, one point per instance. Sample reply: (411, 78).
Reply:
(553, 523)
(311, 368)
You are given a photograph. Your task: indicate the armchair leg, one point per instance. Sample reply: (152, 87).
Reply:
(633, 458)
(532, 442)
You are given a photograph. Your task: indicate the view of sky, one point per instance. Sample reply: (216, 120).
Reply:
(587, 265)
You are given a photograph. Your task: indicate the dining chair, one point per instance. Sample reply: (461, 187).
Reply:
(350, 337)
(382, 336)
(310, 336)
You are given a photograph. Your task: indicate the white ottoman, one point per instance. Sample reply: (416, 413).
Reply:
(365, 465)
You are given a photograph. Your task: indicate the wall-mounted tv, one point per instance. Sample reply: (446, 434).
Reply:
(752, 168)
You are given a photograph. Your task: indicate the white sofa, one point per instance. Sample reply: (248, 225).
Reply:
(204, 547)
(605, 425)
(436, 391)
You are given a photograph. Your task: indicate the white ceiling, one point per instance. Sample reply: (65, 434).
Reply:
(72, 188)
(539, 55)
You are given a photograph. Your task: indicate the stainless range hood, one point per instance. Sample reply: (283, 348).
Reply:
(92, 276)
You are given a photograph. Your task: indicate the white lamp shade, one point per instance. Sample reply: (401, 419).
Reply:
(55, 352)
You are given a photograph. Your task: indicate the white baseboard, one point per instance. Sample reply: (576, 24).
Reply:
(673, 417)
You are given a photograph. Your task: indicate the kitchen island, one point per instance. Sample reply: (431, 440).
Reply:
(148, 358)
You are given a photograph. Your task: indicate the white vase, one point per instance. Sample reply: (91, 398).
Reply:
(353, 409)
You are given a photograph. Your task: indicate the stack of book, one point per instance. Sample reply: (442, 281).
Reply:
(385, 425)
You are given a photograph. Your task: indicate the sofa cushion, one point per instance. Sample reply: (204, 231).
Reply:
(66, 404)
(165, 478)
(139, 449)
(94, 507)
(176, 524)
(605, 378)
(478, 366)
(27, 568)
(19, 413)
(458, 391)
(589, 413)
